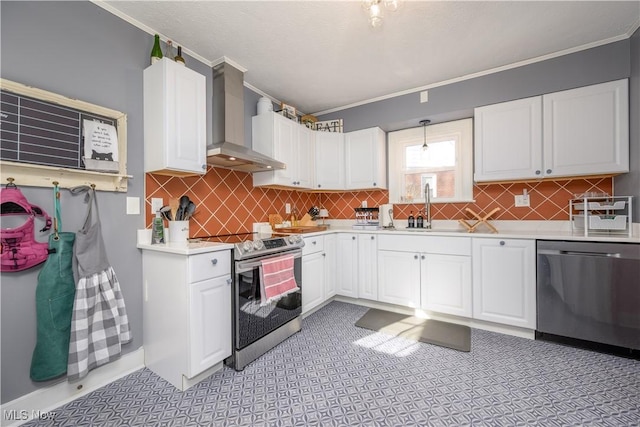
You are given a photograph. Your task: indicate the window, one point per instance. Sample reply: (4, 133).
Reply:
(446, 165)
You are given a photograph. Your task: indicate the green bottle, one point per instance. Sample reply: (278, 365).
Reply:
(156, 52)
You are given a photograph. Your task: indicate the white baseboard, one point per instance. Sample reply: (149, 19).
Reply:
(41, 404)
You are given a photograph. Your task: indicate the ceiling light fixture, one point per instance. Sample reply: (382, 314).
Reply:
(424, 124)
(374, 10)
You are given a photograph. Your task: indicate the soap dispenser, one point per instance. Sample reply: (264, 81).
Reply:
(420, 220)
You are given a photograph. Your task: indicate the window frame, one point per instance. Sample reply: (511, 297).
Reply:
(459, 130)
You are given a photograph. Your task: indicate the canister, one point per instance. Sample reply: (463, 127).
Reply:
(264, 105)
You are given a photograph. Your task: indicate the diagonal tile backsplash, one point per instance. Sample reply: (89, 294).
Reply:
(227, 202)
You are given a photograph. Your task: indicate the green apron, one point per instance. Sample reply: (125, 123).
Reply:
(55, 295)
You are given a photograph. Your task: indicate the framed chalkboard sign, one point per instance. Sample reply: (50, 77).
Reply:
(45, 137)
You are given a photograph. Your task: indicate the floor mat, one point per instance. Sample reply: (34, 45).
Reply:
(457, 337)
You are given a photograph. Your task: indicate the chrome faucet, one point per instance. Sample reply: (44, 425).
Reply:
(427, 206)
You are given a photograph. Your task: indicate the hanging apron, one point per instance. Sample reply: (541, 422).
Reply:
(54, 303)
(100, 325)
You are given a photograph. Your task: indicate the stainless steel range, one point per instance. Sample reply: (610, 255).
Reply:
(258, 328)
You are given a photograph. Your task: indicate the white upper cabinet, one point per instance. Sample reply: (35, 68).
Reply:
(286, 141)
(329, 161)
(366, 160)
(576, 132)
(586, 130)
(175, 141)
(508, 140)
(305, 157)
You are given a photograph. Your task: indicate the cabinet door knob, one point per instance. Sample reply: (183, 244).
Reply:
(204, 167)
(538, 172)
(374, 184)
(548, 171)
(501, 242)
(421, 256)
(314, 242)
(353, 237)
(373, 237)
(324, 254)
(228, 282)
(415, 256)
(319, 185)
(214, 261)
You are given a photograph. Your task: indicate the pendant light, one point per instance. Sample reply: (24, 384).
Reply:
(424, 124)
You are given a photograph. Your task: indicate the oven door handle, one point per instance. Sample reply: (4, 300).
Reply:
(250, 265)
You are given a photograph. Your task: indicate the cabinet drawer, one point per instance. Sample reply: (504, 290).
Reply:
(211, 264)
(313, 244)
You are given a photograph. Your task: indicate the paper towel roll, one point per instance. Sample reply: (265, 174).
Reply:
(385, 214)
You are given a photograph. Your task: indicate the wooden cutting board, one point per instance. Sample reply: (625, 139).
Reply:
(300, 229)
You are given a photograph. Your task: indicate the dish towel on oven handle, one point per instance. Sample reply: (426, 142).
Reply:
(99, 325)
(277, 279)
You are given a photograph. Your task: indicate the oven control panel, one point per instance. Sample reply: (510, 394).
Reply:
(253, 248)
(274, 243)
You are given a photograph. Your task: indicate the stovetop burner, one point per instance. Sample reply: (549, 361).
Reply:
(251, 245)
(230, 238)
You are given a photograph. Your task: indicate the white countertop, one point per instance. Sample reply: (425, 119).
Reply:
(186, 248)
(540, 230)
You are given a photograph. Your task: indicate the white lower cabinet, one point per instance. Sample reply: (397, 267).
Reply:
(313, 273)
(313, 269)
(399, 278)
(446, 287)
(347, 265)
(209, 323)
(186, 313)
(431, 272)
(367, 271)
(504, 281)
(331, 252)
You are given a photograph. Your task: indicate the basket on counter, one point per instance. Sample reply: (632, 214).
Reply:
(601, 214)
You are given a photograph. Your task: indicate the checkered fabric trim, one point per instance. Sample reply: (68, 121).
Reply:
(99, 325)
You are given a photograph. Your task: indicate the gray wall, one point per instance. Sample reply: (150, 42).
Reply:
(78, 50)
(629, 184)
(457, 100)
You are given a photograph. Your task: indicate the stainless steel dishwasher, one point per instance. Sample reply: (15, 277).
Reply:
(589, 291)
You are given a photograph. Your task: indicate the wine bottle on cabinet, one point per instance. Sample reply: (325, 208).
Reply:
(411, 220)
(156, 52)
(169, 51)
(179, 59)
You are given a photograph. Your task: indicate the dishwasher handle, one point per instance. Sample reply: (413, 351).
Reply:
(579, 253)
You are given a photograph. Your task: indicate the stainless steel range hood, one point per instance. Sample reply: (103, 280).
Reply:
(228, 149)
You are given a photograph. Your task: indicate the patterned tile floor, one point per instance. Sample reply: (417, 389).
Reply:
(335, 374)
